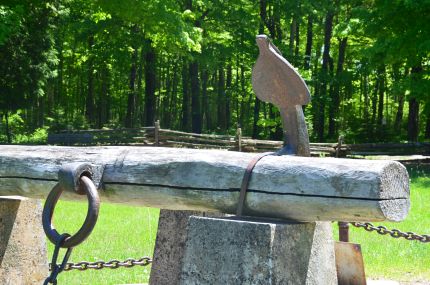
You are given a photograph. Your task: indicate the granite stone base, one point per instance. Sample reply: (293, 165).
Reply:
(23, 254)
(237, 251)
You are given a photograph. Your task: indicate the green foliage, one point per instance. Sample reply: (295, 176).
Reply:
(161, 20)
(74, 64)
(39, 136)
(10, 20)
(16, 123)
(18, 131)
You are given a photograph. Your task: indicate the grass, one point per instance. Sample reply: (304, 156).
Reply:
(121, 232)
(124, 232)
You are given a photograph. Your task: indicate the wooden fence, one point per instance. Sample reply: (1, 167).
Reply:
(155, 136)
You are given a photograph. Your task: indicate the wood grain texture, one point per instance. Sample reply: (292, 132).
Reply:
(286, 187)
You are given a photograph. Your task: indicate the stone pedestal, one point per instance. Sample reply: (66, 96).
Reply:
(234, 251)
(23, 254)
(169, 245)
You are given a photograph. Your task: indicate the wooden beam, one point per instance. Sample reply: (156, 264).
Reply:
(286, 187)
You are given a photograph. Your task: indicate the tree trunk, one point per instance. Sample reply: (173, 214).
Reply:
(255, 129)
(414, 107)
(229, 95)
(427, 132)
(89, 104)
(325, 74)
(40, 111)
(292, 37)
(270, 22)
(317, 87)
(236, 99)
(206, 107)
(244, 108)
(173, 102)
(309, 38)
(400, 100)
(139, 92)
(297, 48)
(381, 92)
(104, 100)
(399, 113)
(277, 21)
(374, 102)
(185, 98)
(196, 117)
(165, 115)
(131, 100)
(158, 87)
(150, 84)
(262, 16)
(366, 100)
(413, 120)
(8, 134)
(222, 120)
(335, 102)
(58, 98)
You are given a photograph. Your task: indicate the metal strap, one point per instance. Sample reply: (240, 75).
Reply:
(246, 179)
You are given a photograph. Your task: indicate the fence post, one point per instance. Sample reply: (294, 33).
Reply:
(339, 145)
(239, 138)
(157, 133)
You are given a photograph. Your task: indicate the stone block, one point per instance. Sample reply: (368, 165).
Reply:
(169, 245)
(237, 251)
(23, 252)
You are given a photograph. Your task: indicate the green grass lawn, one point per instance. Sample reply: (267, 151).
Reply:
(121, 232)
(124, 232)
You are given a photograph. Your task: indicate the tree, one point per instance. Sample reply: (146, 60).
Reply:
(80, 64)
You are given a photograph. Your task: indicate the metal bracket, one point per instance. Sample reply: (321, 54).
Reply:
(246, 179)
(69, 176)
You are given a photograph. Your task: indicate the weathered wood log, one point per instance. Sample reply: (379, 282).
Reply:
(169, 143)
(207, 136)
(197, 140)
(286, 187)
(95, 131)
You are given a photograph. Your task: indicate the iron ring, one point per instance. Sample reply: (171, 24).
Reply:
(90, 220)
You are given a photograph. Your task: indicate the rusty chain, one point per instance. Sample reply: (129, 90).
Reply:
(112, 264)
(395, 233)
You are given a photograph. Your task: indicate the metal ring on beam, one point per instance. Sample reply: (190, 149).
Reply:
(90, 220)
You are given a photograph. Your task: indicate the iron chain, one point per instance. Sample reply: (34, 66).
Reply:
(395, 233)
(112, 264)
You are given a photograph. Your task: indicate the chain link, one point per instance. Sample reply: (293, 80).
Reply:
(395, 233)
(144, 261)
(112, 264)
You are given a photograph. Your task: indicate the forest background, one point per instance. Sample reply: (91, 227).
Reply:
(75, 64)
